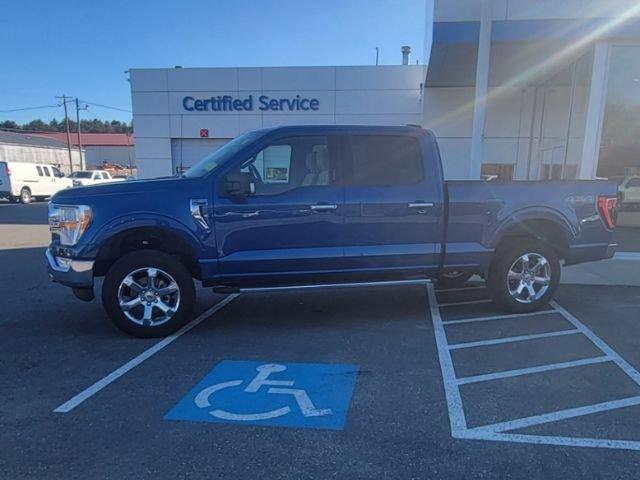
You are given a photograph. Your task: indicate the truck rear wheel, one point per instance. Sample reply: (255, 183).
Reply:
(524, 276)
(454, 279)
(25, 195)
(148, 293)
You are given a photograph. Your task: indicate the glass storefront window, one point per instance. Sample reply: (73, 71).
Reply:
(619, 157)
(620, 143)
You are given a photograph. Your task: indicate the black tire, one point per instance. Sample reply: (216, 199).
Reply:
(138, 261)
(25, 195)
(504, 258)
(454, 279)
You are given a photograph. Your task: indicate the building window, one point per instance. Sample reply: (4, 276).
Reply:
(498, 171)
(554, 172)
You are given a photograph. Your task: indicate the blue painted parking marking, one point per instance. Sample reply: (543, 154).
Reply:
(301, 395)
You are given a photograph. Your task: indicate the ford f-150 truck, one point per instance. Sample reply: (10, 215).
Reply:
(313, 205)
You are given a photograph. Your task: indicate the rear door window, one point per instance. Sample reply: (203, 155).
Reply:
(39, 170)
(46, 171)
(384, 160)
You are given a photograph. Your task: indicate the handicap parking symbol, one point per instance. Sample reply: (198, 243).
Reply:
(303, 395)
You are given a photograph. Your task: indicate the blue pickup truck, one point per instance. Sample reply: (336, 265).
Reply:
(313, 205)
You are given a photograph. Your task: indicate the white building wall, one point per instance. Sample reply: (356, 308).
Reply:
(389, 95)
(46, 155)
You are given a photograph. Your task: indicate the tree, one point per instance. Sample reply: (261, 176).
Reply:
(9, 125)
(88, 126)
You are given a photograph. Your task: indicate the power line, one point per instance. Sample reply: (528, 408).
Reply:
(29, 108)
(106, 106)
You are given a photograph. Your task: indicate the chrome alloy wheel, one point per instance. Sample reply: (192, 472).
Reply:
(149, 296)
(529, 278)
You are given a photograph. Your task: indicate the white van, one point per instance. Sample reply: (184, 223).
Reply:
(25, 182)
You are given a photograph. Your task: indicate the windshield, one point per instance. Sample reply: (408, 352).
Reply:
(81, 175)
(217, 158)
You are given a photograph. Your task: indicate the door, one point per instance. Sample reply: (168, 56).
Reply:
(289, 222)
(392, 206)
(59, 182)
(37, 184)
(47, 185)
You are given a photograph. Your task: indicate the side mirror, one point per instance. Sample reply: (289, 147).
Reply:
(239, 184)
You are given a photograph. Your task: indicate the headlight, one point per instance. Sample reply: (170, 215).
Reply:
(69, 221)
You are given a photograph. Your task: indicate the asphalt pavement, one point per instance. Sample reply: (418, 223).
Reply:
(400, 413)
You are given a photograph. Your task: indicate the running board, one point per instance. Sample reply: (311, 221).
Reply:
(228, 290)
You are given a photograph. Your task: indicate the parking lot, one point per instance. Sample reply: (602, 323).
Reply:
(401, 381)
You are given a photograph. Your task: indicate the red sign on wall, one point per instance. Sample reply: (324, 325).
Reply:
(204, 133)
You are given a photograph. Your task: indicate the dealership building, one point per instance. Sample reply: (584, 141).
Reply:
(522, 89)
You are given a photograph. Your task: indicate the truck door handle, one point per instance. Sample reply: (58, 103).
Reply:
(323, 207)
(421, 205)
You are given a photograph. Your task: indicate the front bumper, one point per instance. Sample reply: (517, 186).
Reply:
(69, 272)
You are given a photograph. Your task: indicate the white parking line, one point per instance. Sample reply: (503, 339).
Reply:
(116, 374)
(526, 371)
(520, 338)
(558, 415)
(470, 302)
(457, 419)
(460, 289)
(598, 342)
(498, 317)
(499, 431)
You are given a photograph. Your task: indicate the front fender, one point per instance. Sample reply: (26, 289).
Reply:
(141, 220)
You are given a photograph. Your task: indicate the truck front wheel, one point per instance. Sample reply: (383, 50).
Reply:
(148, 293)
(524, 276)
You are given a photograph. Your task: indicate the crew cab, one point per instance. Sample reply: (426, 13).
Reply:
(92, 177)
(314, 205)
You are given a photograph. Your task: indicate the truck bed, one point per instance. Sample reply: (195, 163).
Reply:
(480, 211)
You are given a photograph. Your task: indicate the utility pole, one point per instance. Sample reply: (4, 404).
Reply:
(79, 138)
(66, 120)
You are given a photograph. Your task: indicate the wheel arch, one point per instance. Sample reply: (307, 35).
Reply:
(547, 227)
(146, 237)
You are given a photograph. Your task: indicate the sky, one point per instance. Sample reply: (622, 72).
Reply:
(83, 48)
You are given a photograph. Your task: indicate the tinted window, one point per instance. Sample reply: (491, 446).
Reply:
(46, 171)
(385, 160)
(80, 175)
(39, 171)
(634, 182)
(289, 163)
